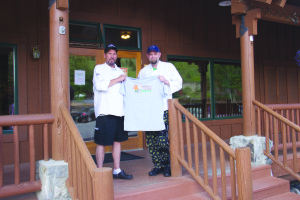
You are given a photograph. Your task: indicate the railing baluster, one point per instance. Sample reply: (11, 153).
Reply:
(283, 130)
(298, 123)
(276, 138)
(223, 173)
(65, 153)
(196, 151)
(89, 186)
(288, 127)
(84, 175)
(258, 122)
(188, 141)
(17, 153)
(79, 177)
(31, 153)
(271, 128)
(181, 141)
(267, 131)
(74, 170)
(204, 155)
(70, 162)
(214, 166)
(46, 142)
(294, 140)
(233, 179)
(1, 156)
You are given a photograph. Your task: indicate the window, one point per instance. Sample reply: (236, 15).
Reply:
(122, 37)
(86, 34)
(211, 89)
(8, 81)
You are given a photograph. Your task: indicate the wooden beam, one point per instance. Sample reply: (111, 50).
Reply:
(62, 4)
(250, 21)
(265, 1)
(280, 3)
(238, 7)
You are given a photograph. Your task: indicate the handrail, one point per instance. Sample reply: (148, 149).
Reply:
(241, 172)
(20, 120)
(275, 114)
(285, 130)
(208, 132)
(78, 139)
(85, 179)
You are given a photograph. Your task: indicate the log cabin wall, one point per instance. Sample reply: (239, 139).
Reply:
(194, 28)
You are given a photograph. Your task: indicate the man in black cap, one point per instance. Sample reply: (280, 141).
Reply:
(109, 110)
(157, 141)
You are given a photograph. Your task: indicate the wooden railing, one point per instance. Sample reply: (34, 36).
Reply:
(241, 172)
(16, 121)
(279, 124)
(85, 181)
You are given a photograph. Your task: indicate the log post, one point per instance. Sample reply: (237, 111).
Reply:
(244, 173)
(59, 73)
(174, 139)
(246, 27)
(103, 184)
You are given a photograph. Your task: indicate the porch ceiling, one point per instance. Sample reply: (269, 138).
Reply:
(281, 11)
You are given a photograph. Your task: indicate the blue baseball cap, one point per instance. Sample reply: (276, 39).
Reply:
(153, 48)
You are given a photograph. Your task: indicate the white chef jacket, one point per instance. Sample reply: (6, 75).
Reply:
(107, 100)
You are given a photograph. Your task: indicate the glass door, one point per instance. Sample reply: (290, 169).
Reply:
(82, 63)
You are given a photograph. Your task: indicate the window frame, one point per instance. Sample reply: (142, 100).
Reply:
(212, 86)
(98, 25)
(16, 89)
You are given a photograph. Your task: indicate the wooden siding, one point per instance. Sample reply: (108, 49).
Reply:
(195, 28)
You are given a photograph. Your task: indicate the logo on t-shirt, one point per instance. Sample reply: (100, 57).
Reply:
(142, 88)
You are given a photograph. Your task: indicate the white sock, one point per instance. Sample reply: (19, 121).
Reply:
(116, 171)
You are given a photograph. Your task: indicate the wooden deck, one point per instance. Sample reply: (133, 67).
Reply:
(139, 168)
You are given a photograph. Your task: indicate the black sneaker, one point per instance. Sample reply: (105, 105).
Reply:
(167, 171)
(156, 171)
(122, 175)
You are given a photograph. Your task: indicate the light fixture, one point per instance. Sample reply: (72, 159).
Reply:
(125, 35)
(36, 52)
(225, 3)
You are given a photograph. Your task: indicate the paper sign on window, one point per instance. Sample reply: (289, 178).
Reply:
(79, 77)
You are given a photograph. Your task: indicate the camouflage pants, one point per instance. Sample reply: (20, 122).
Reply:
(158, 145)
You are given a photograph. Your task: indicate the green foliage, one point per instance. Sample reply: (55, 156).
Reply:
(228, 83)
(86, 63)
(130, 64)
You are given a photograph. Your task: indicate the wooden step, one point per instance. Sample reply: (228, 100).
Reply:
(174, 187)
(269, 186)
(286, 196)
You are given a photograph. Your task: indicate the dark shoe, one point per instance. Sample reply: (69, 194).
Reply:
(122, 175)
(156, 171)
(167, 172)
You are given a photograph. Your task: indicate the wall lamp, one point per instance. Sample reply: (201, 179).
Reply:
(36, 52)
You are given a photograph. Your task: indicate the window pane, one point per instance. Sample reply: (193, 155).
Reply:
(228, 89)
(115, 36)
(195, 94)
(7, 82)
(81, 94)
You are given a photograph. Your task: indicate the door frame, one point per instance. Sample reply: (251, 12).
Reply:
(135, 142)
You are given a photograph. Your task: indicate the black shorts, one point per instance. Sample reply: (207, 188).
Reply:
(109, 129)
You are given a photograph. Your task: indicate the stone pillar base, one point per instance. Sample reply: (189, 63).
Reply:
(53, 175)
(257, 146)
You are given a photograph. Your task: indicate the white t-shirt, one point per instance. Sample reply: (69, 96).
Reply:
(107, 100)
(169, 71)
(144, 107)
